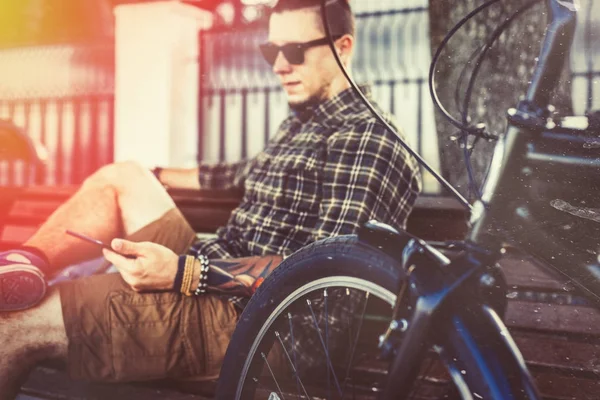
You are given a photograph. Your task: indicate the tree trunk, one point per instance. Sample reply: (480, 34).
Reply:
(502, 80)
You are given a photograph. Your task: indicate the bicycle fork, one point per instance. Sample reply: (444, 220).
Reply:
(455, 306)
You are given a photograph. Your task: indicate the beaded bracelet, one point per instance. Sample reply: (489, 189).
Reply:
(188, 276)
(204, 268)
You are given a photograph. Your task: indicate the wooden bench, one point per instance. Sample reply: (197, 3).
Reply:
(22, 210)
(557, 332)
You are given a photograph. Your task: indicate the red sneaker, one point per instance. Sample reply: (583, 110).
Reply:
(22, 284)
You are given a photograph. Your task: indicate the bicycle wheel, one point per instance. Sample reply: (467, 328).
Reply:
(311, 330)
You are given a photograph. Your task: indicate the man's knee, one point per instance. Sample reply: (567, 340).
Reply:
(119, 176)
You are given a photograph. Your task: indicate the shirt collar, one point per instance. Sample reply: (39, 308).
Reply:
(332, 111)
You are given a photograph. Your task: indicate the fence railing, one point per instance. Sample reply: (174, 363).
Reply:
(77, 132)
(242, 103)
(62, 96)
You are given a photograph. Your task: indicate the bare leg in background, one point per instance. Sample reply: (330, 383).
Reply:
(115, 201)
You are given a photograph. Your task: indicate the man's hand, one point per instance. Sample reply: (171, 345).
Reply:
(153, 268)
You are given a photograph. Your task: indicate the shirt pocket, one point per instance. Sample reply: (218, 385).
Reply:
(264, 183)
(301, 180)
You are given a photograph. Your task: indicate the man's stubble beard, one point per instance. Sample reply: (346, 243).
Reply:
(312, 101)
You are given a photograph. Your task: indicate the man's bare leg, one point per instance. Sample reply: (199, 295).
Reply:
(27, 338)
(115, 201)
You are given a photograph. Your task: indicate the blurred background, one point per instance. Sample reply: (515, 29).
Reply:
(176, 82)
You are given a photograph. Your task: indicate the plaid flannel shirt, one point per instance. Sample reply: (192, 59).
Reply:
(325, 173)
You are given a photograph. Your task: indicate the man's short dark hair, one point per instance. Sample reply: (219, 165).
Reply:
(339, 13)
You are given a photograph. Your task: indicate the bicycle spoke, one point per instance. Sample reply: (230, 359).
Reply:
(349, 320)
(324, 348)
(362, 317)
(327, 342)
(298, 380)
(295, 363)
(261, 386)
(272, 375)
(350, 336)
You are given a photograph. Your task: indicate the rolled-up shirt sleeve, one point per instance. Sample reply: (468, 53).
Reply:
(223, 175)
(367, 175)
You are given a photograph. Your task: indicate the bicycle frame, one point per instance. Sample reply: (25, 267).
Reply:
(526, 204)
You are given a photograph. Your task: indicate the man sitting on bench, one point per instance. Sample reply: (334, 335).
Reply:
(172, 309)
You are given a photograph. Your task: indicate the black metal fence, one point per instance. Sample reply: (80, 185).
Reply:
(77, 132)
(63, 97)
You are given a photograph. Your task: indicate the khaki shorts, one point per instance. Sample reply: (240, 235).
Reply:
(116, 334)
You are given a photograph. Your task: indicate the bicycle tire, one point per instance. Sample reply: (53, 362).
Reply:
(333, 263)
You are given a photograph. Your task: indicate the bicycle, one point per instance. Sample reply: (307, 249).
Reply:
(443, 305)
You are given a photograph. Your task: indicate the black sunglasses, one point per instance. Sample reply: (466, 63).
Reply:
(293, 52)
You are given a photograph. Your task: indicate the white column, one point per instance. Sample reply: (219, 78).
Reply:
(156, 82)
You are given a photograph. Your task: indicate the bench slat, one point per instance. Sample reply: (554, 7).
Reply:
(524, 273)
(559, 352)
(46, 383)
(551, 317)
